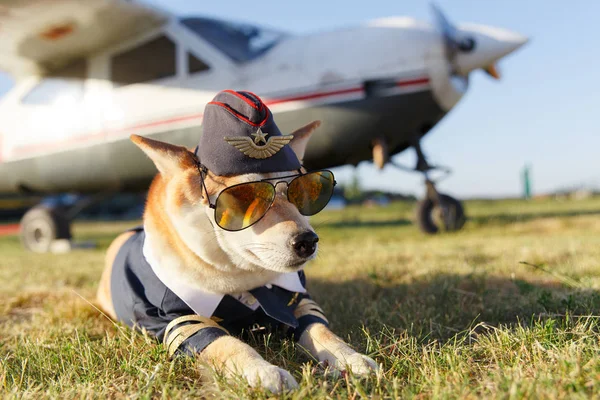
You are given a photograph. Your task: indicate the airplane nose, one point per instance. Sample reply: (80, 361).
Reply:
(490, 45)
(305, 244)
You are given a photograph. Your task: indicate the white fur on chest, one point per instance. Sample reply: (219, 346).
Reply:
(197, 295)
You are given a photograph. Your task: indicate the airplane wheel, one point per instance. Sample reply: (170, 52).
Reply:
(41, 226)
(449, 215)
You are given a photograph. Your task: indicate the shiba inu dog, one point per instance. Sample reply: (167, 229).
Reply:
(224, 241)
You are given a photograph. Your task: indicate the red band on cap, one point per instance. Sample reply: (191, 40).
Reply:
(240, 116)
(262, 105)
(248, 101)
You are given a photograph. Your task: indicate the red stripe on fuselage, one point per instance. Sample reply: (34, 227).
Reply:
(270, 102)
(77, 139)
(313, 96)
(413, 82)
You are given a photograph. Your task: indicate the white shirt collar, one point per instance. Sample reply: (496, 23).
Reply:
(202, 302)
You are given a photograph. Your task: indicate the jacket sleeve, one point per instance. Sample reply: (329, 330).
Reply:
(190, 334)
(142, 301)
(180, 330)
(307, 312)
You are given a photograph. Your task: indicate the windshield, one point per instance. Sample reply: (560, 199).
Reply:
(241, 42)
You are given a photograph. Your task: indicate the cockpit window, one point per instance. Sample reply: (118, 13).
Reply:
(147, 62)
(241, 42)
(61, 85)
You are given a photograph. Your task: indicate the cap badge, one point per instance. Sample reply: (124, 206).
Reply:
(250, 146)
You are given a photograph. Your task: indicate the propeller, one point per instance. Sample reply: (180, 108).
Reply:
(457, 42)
(492, 70)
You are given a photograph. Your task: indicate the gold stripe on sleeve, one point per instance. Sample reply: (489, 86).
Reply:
(174, 337)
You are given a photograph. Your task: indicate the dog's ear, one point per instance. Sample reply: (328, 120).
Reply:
(168, 158)
(301, 137)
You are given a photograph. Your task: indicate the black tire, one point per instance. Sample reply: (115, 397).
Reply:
(453, 218)
(41, 226)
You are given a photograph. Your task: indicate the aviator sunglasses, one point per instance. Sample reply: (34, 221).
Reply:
(240, 206)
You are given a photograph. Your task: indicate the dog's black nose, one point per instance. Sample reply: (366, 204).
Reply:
(305, 244)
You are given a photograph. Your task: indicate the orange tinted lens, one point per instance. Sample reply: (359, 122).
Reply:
(311, 192)
(240, 206)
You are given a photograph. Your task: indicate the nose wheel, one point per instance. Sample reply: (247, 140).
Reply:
(437, 211)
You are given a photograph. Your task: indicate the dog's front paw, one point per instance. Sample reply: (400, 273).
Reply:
(270, 377)
(359, 364)
(355, 363)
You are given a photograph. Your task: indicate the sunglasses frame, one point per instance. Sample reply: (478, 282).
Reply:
(202, 170)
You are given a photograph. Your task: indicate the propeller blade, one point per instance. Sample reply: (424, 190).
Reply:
(492, 71)
(454, 40)
(444, 25)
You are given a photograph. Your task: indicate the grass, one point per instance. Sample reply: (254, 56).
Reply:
(448, 316)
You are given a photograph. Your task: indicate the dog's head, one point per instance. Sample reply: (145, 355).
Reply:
(282, 241)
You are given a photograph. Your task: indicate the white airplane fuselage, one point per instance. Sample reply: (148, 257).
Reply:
(388, 79)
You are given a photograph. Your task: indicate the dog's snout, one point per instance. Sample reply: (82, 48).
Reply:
(305, 244)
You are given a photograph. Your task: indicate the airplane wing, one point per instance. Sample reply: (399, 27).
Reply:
(42, 34)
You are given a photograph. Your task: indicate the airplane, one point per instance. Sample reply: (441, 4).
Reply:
(89, 73)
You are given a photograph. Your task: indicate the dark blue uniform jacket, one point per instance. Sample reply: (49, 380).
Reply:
(141, 300)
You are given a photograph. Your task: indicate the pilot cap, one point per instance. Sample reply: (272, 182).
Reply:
(239, 136)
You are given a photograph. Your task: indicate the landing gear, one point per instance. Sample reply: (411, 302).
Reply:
(44, 228)
(47, 227)
(437, 211)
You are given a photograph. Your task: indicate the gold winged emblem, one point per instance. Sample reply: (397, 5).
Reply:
(251, 148)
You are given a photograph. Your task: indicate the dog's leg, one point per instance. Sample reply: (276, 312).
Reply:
(328, 348)
(325, 346)
(103, 296)
(232, 356)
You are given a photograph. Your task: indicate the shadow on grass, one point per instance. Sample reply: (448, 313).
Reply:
(506, 218)
(489, 219)
(441, 305)
(353, 223)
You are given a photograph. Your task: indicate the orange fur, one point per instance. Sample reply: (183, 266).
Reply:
(103, 296)
(157, 221)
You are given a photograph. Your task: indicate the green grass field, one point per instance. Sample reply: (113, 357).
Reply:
(447, 316)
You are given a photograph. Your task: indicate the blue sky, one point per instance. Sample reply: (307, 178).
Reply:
(541, 112)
